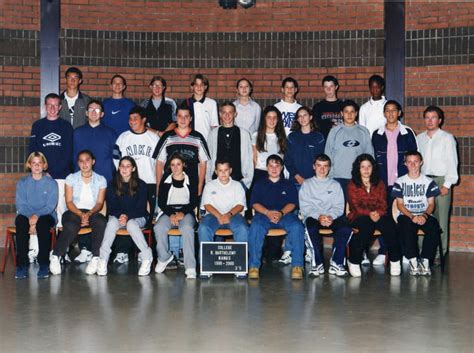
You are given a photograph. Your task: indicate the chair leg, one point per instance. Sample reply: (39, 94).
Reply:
(53, 237)
(8, 244)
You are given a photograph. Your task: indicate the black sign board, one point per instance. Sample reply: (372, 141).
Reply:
(223, 257)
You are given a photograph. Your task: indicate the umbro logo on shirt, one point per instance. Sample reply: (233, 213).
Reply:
(113, 112)
(52, 137)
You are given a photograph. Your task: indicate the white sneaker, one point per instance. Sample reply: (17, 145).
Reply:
(405, 261)
(365, 260)
(83, 257)
(66, 258)
(316, 271)
(54, 265)
(285, 258)
(425, 267)
(144, 268)
(414, 270)
(308, 256)
(32, 256)
(121, 258)
(102, 268)
(161, 266)
(395, 268)
(379, 260)
(139, 258)
(338, 270)
(354, 269)
(190, 273)
(91, 268)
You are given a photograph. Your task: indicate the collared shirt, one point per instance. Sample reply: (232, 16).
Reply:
(248, 115)
(74, 180)
(440, 157)
(371, 114)
(392, 154)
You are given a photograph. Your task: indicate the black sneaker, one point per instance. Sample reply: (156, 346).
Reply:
(172, 265)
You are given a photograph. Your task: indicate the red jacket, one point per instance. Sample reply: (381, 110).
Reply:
(361, 202)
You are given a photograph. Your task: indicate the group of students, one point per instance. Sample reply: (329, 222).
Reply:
(285, 163)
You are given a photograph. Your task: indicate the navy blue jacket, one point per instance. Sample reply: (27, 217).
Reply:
(132, 206)
(406, 141)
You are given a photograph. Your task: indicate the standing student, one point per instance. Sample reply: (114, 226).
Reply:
(327, 112)
(159, 110)
(371, 114)
(74, 101)
(126, 197)
(117, 107)
(203, 109)
(248, 111)
(36, 199)
(288, 104)
(440, 156)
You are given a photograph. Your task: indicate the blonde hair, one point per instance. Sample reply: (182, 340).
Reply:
(33, 155)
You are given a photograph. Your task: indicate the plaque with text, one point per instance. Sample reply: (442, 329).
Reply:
(223, 257)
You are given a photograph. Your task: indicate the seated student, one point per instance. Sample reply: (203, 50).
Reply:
(248, 111)
(367, 199)
(304, 144)
(223, 199)
(126, 205)
(177, 200)
(415, 194)
(322, 205)
(85, 195)
(232, 143)
(274, 199)
(345, 142)
(36, 200)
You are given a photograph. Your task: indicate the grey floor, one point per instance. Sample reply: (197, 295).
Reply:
(166, 313)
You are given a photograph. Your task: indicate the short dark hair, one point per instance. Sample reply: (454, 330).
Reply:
(74, 70)
(377, 78)
(88, 152)
(394, 102)
(118, 76)
(322, 158)
(275, 158)
(138, 110)
(228, 104)
(413, 153)
(158, 78)
(330, 78)
(350, 103)
(289, 79)
(437, 110)
(184, 106)
(96, 101)
(203, 79)
(223, 161)
(52, 96)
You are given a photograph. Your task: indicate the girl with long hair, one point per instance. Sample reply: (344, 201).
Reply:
(248, 111)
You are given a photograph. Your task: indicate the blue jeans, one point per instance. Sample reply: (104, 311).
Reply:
(259, 229)
(209, 225)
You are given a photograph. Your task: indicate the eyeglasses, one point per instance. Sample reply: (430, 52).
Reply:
(97, 110)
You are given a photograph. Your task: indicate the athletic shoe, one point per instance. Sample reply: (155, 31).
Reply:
(83, 257)
(190, 273)
(21, 272)
(254, 273)
(338, 270)
(240, 275)
(144, 268)
(91, 268)
(54, 265)
(102, 268)
(205, 275)
(365, 260)
(354, 269)
(379, 260)
(308, 257)
(297, 272)
(414, 269)
(405, 261)
(122, 257)
(173, 265)
(285, 258)
(32, 255)
(139, 258)
(43, 272)
(395, 268)
(425, 267)
(65, 258)
(316, 271)
(161, 266)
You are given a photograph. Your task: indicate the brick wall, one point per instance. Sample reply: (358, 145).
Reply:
(275, 39)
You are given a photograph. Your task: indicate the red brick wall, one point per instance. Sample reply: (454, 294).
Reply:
(20, 14)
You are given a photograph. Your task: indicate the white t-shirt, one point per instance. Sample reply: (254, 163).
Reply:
(248, 115)
(86, 200)
(205, 116)
(271, 147)
(371, 114)
(71, 100)
(223, 197)
(288, 113)
(415, 192)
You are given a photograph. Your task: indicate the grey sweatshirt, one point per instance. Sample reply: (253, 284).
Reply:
(321, 197)
(344, 145)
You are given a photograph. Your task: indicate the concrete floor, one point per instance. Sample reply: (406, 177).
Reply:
(122, 312)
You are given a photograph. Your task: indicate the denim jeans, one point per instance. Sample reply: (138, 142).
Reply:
(209, 225)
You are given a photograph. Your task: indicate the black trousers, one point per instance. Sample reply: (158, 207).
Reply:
(363, 238)
(72, 225)
(43, 226)
(407, 230)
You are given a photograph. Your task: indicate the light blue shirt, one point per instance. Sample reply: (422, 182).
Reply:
(74, 180)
